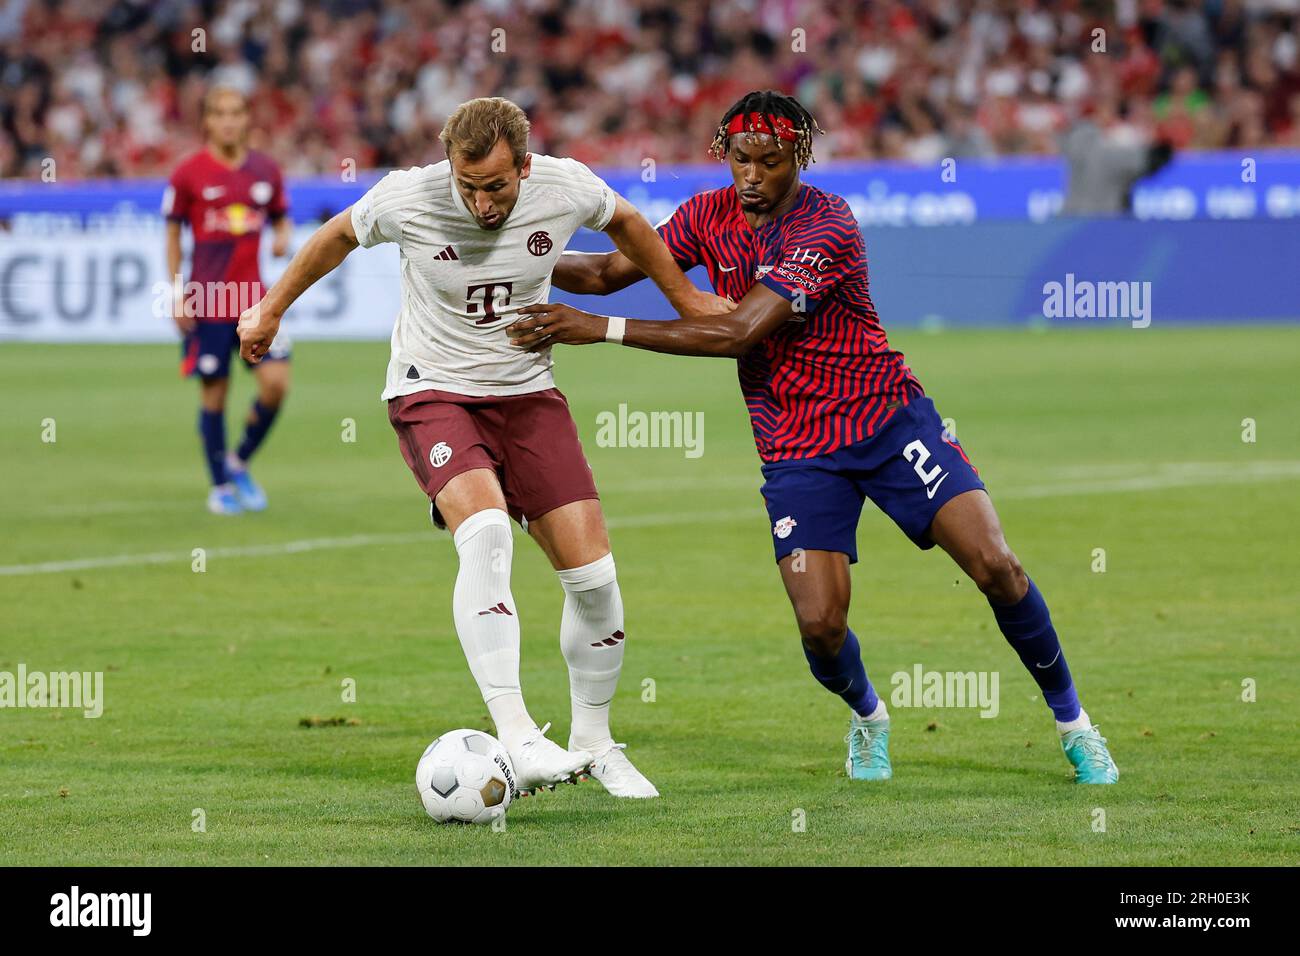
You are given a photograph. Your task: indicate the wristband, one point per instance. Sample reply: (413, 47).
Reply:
(614, 331)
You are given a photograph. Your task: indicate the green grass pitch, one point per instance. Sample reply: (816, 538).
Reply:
(1123, 440)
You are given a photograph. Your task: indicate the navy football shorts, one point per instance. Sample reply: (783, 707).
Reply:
(207, 350)
(909, 468)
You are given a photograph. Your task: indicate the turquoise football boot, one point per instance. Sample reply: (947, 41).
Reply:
(868, 742)
(251, 496)
(1086, 751)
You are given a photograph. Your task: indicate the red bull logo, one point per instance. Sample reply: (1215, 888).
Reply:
(236, 219)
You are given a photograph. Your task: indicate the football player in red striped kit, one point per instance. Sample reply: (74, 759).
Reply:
(226, 193)
(837, 414)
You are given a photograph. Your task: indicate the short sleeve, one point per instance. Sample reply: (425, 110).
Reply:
(681, 236)
(378, 215)
(816, 255)
(594, 198)
(177, 199)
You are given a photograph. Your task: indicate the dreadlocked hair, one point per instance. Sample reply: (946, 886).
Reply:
(771, 105)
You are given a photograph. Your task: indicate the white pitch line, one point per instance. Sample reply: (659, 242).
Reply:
(1065, 480)
(1170, 475)
(1174, 475)
(329, 544)
(243, 551)
(1071, 479)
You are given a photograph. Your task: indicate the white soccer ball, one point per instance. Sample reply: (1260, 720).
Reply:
(465, 776)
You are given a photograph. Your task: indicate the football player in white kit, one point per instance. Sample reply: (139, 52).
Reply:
(480, 422)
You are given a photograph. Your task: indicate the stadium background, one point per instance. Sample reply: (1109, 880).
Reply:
(100, 101)
(1091, 434)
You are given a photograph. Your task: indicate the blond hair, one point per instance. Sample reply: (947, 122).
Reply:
(474, 128)
(211, 95)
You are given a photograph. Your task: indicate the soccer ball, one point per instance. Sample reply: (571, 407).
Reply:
(465, 776)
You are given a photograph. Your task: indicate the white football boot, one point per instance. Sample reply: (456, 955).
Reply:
(223, 501)
(540, 762)
(617, 775)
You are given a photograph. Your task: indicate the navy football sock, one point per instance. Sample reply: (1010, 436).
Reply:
(212, 426)
(844, 675)
(1027, 627)
(256, 429)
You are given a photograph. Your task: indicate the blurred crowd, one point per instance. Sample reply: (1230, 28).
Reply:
(113, 87)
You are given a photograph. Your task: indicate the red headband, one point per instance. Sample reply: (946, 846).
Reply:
(757, 123)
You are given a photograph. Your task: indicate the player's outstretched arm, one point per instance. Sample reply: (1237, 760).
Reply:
(594, 273)
(328, 246)
(637, 240)
(759, 314)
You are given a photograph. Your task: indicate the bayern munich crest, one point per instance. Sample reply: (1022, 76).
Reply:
(539, 243)
(440, 454)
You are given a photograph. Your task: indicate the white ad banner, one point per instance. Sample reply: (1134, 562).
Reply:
(111, 285)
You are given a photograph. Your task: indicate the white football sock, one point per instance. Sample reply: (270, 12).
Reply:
(880, 713)
(486, 624)
(591, 637)
(1079, 723)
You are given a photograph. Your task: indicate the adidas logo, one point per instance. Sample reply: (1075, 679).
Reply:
(448, 254)
(612, 641)
(499, 609)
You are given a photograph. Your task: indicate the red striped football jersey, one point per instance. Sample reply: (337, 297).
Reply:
(226, 209)
(825, 380)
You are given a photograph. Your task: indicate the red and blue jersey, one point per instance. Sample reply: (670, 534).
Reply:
(226, 209)
(828, 378)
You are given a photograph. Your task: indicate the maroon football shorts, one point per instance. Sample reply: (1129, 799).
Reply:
(529, 440)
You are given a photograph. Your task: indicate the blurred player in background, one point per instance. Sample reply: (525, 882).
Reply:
(837, 414)
(480, 423)
(227, 193)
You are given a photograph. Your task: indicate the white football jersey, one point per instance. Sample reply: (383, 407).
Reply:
(462, 284)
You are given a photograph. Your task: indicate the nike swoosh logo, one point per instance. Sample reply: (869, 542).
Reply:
(929, 492)
(212, 192)
(725, 269)
(1049, 663)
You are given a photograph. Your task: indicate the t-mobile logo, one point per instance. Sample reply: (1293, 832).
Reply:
(486, 300)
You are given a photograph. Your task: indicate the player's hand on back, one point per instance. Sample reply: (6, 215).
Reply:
(553, 323)
(257, 328)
